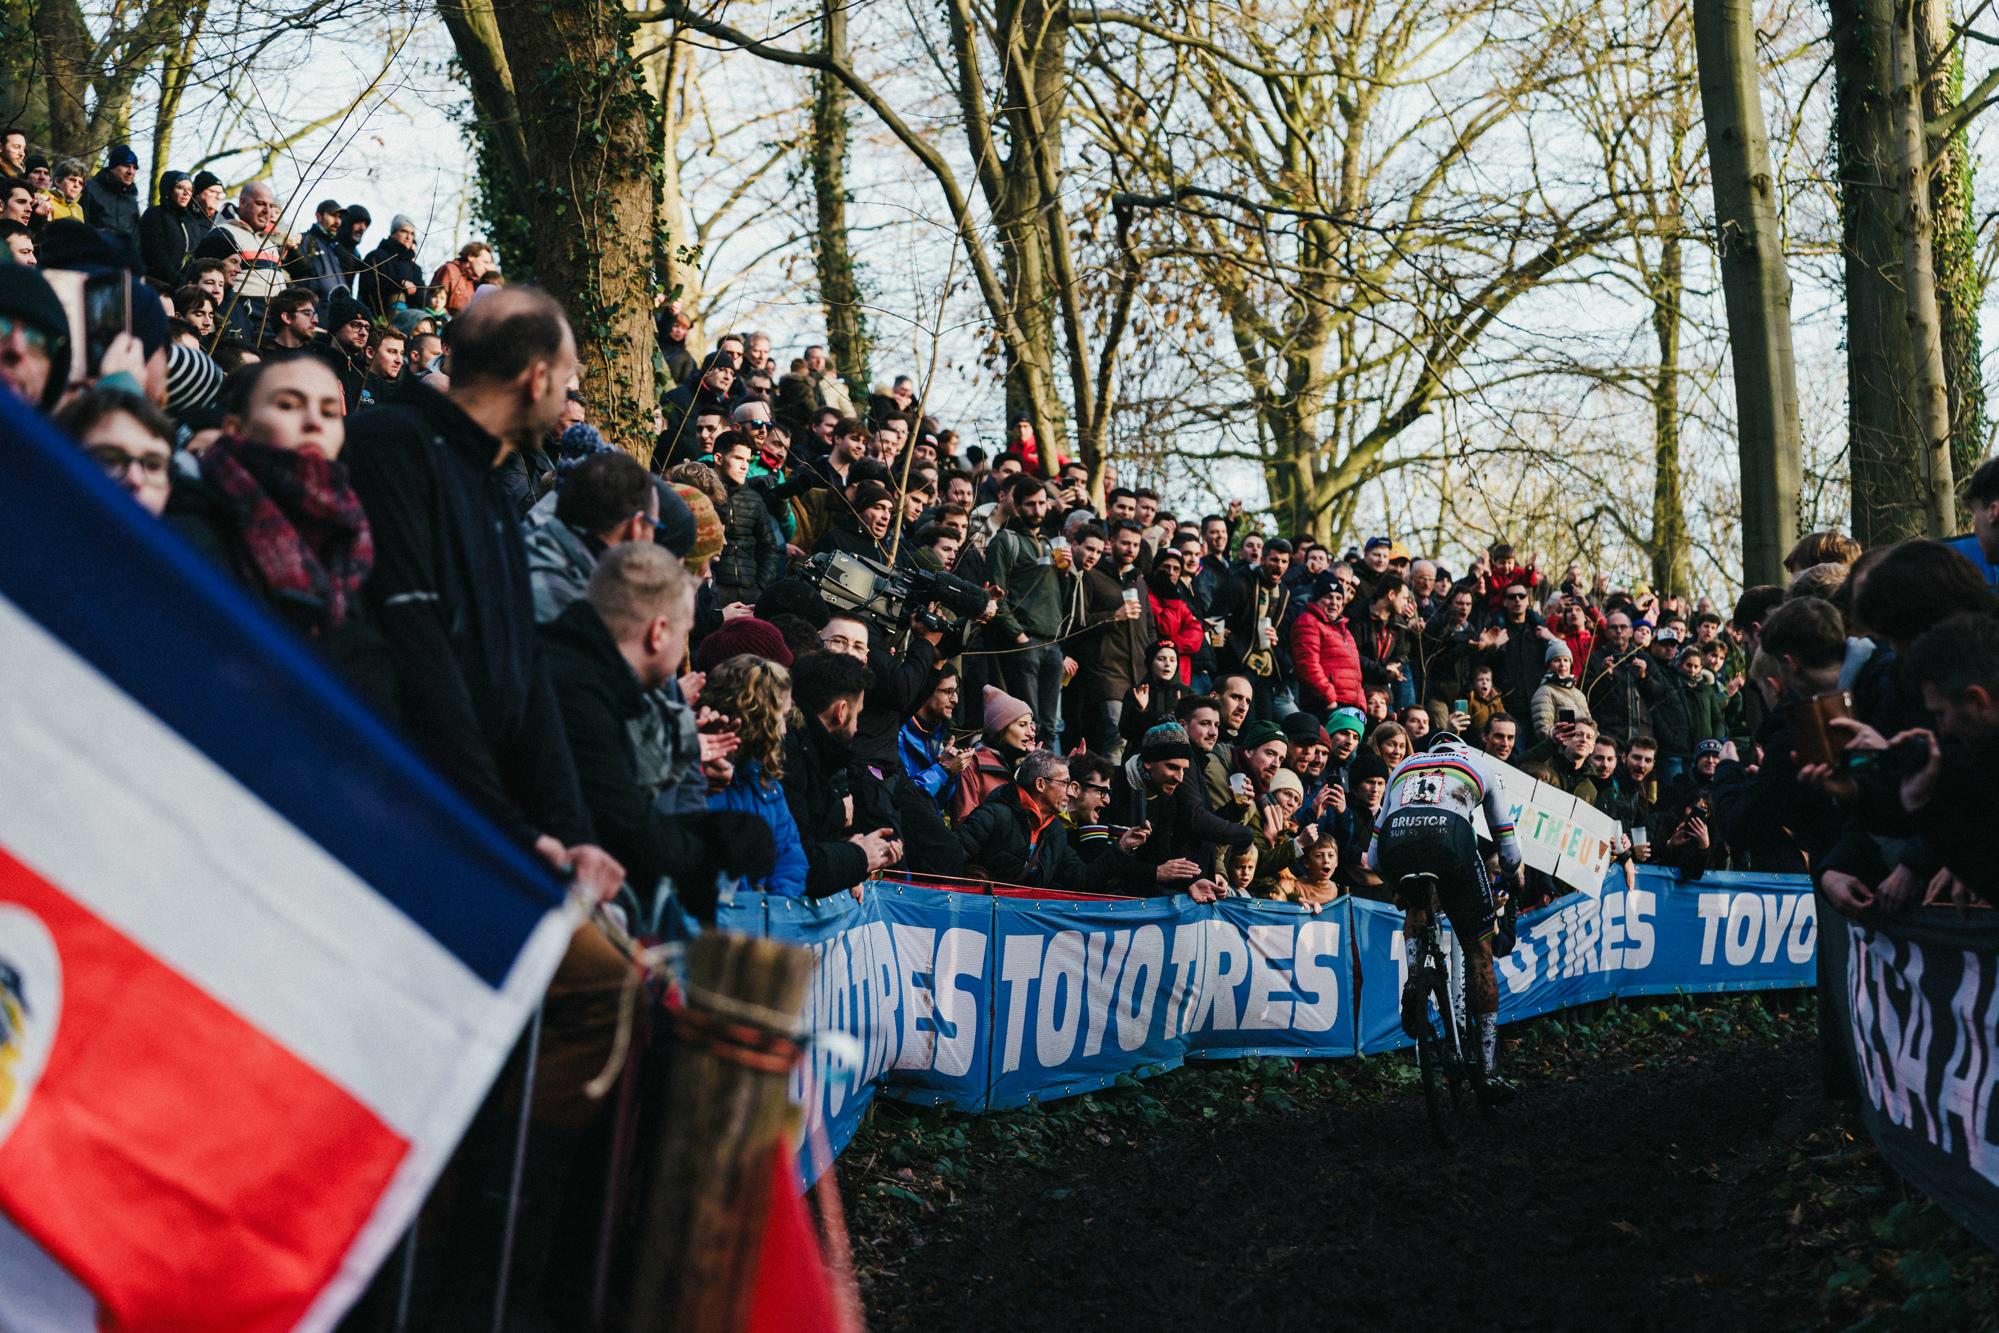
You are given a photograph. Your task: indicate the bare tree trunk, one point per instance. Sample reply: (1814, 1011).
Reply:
(1755, 284)
(1911, 175)
(585, 119)
(65, 47)
(1885, 453)
(1671, 571)
(839, 289)
(670, 74)
(176, 66)
(1959, 283)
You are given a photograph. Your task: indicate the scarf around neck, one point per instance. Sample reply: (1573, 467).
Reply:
(305, 538)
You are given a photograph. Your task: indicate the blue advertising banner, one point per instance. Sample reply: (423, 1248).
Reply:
(1088, 991)
(1722, 932)
(1278, 980)
(978, 1003)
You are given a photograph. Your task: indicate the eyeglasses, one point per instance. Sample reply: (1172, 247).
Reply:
(839, 643)
(37, 340)
(1096, 786)
(116, 462)
(753, 424)
(650, 521)
(1516, 596)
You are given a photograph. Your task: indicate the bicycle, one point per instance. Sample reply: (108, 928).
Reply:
(1441, 1055)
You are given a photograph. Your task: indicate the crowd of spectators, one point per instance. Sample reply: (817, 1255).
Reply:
(801, 636)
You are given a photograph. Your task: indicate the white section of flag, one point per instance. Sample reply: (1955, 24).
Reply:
(124, 815)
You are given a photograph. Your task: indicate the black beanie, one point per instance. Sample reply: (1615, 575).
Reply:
(26, 295)
(1367, 764)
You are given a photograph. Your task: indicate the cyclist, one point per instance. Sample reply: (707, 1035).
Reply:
(1425, 827)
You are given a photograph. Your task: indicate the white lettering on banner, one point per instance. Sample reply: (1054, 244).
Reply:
(1892, 1026)
(1316, 984)
(961, 956)
(1188, 956)
(1020, 964)
(1589, 935)
(1970, 1092)
(1269, 949)
(1061, 1012)
(915, 970)
(1138, 987)
(1228, 966)
(1747, 923)
(1100, 972)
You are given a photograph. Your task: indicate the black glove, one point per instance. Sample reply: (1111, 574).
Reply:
(739, 842)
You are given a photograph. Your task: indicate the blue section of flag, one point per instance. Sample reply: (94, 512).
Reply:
(192, 648)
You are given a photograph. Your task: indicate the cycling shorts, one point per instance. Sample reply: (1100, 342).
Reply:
(1435, 842)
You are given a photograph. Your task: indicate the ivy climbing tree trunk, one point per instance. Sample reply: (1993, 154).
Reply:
(839, 289)
(1960, 286)
(585, 119)
(1885, 451)
(1755, 285)
(499, 151)
(1910, 173)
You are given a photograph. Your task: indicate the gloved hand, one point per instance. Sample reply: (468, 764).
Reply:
(739, 842)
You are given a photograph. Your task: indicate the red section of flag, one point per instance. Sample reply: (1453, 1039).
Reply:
(794, 1292)
(187, 1169)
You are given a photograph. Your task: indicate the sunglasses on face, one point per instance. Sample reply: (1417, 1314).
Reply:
(37, 340)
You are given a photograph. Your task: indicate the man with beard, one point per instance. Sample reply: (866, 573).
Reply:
(390, 275)
(354, 223)
(1110, 649)
(1151, 790)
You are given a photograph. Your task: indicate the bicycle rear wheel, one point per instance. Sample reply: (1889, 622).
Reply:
(1438, 1058)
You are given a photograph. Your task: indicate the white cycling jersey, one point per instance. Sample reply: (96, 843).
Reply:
(1450, 781)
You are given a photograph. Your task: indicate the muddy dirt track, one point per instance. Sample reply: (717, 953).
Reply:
(1626, 1199)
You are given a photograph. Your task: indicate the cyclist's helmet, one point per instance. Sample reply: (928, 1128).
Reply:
(1445, 740)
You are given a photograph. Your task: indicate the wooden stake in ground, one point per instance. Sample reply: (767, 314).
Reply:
(727, 1103)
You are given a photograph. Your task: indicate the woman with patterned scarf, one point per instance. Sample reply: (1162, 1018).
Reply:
(275, 508)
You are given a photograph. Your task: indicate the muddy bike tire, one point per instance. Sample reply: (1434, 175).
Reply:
(1437, 1057)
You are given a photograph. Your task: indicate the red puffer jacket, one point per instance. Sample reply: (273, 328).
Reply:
(1179, 626)
(1326, 659)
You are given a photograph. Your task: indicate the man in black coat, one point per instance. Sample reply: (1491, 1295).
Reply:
(1519, 663)
(450, 589)
(848, 827)
(1150, 791)
(111, 197)
(626, 636)
(390, 275)
(1017, 836)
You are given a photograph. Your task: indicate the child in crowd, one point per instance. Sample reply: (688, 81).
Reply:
(1311, 883)
(1240, 868)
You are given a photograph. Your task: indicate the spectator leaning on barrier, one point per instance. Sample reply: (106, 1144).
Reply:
(848, 829)
(1150, 789)
(612, 646)
(1018, 835)
(450, 587)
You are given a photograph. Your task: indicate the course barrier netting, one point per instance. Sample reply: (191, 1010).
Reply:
(1912, 1004)
(988, 1001)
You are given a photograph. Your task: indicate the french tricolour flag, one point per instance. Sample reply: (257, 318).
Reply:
(258, 965)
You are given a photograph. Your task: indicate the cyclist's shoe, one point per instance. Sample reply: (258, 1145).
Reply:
(1496, 1091)
(1416, 1004)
